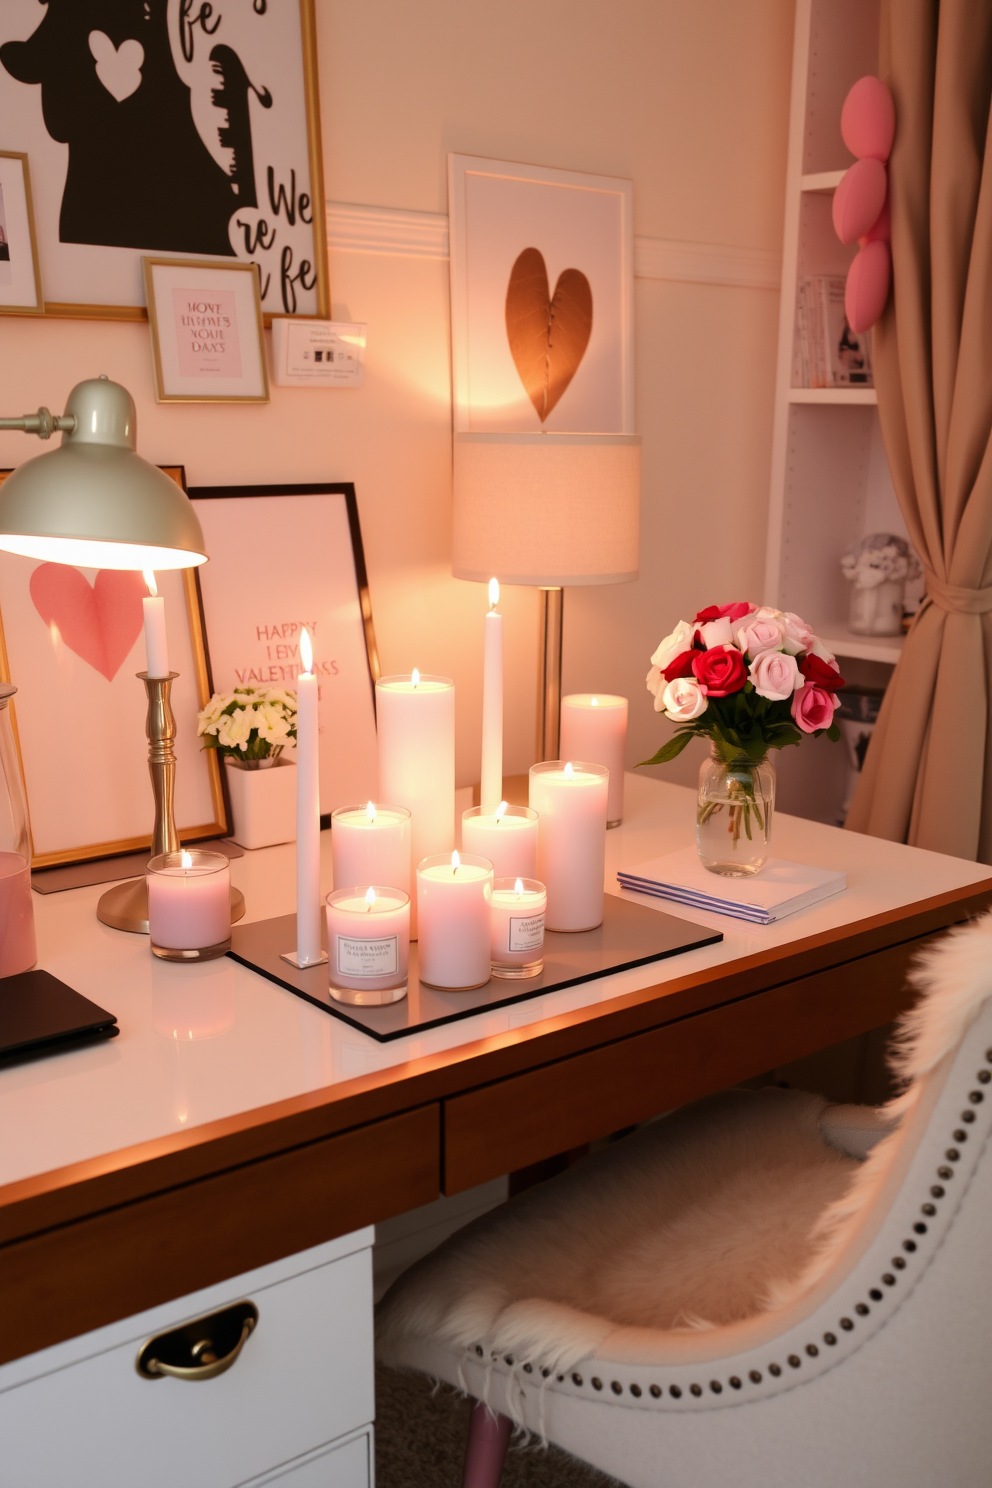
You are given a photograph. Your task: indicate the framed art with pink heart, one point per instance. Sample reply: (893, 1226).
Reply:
(71, 642)
(542, 278)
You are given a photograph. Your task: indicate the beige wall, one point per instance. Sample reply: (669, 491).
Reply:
(690, 100)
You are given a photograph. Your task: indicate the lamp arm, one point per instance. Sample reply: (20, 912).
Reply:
(43, 423)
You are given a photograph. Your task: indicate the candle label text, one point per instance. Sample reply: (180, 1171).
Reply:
(526, 933)
(371, 958)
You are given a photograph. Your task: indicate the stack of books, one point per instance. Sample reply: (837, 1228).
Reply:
(827, 353)
(781, 888)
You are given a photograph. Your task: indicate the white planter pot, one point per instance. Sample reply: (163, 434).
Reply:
(263, 803)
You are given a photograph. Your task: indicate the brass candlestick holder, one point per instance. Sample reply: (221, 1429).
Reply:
(125, 907)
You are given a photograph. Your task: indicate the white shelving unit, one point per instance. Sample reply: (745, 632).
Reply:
(830, 478)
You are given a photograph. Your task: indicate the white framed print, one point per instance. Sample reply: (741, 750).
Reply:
(542, 282)
(168, 127)
(206, 330)
(20, 276)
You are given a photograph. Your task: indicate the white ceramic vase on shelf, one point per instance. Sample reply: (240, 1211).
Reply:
(263, 801)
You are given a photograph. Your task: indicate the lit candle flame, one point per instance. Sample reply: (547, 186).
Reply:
(150, 583)
(493, 593)
(415, 677)
(369, 898)
(594, 703)
(518, 887)
(500, 811)
(306, 651)
(568, 769)
(186, 859)
(455, 863)
(370, 813)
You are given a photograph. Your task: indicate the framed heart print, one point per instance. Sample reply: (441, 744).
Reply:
(542, 281)
(71, 641)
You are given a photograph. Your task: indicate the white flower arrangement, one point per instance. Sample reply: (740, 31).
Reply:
(250, 724)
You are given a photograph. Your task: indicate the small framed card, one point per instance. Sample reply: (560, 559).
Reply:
(20, 279)
(206, 326)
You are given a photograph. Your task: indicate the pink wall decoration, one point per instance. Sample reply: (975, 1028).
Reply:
(861, 206)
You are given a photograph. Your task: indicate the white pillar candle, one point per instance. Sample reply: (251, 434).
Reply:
(189, 904)
(516, 924)
(491, 789)
(594, 727)
(371, 845)
(156, 642)
(368, 944)
(506, 836)
(453, 896)
(570, 799)
(415, 722)
(308, 950)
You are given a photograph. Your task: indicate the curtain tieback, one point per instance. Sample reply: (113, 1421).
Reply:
(959, 601)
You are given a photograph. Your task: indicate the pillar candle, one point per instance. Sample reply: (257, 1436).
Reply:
(368, 943)
(371, 845)
(453, 896)
(156, 643)
(416, 731)
(570, 799)
(506, 836)
(18, 949)
(491, 789)
(308, 949)
(516, 923)
(594, 727)
(189, 903)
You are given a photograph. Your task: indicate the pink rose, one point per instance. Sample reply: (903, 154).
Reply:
(759, 634)
(797, 634)
(775, 675)
(684, 700)
(813, 708)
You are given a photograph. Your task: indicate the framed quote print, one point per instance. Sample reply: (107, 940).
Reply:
(71, 642)
(206, 330)
(281, 558)
(167, 128)
(20, 277)
(542, 299)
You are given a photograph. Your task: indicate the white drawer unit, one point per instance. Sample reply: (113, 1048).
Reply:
(253, 1401)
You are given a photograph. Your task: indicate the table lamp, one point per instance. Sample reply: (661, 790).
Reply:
(549, 510)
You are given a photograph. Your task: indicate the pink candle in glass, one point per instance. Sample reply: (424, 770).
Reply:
(368, 943)
(189, 905)
(18, 949)
(453, 896)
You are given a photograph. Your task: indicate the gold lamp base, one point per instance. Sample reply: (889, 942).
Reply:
(125, 906)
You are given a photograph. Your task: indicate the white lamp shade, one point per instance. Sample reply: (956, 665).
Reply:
(546, 509)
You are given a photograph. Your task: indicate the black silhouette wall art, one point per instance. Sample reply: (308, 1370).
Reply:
(167, 126)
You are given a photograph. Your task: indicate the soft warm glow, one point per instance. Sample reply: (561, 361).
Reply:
(370, 813)
(369, 896)
(518, 887)
(493, 593)
(456, 862)
(306, 650)
(150, 584)
(415, 677)
(500, 811)
(594, 702)
(568, 769)
(186, 859)
(82, 552)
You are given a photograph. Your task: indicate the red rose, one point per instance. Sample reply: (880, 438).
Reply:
(720, 670)
(717, 612)
(813, 708)
(821, 673)
(680, 667)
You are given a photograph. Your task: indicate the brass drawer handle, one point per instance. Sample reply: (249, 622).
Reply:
(201, 1349)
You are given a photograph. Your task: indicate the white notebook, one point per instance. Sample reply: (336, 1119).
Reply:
(781, 888)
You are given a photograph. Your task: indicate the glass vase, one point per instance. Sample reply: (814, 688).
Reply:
(734, 815)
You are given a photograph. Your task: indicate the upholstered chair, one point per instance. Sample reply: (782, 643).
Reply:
(761, 1290)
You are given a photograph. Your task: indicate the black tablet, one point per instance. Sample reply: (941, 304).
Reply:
(41, 1015)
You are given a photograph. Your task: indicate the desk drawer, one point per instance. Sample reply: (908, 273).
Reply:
(513, 1123)
(303, 1378)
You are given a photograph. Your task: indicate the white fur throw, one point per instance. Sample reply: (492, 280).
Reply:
(731, 1207)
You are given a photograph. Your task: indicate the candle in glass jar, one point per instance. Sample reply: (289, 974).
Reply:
(416, 732)
(189, 905)
(516, 923)
(506, 836)
(594, 727)
(491, 788)
(570, 798)
(453, 896)
(368, 943)
(370, 844)
(156, 642)
(18, 948)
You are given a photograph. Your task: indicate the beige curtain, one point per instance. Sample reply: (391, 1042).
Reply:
(928, 774)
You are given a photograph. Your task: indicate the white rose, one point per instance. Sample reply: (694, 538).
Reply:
(717, 632)
(655, 684)
(683, 700)
(775, 675)
(759, 634)
(817, 648)
(673, 645)
(797, 634)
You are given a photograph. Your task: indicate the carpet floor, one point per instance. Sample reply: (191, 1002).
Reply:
(420, 1442)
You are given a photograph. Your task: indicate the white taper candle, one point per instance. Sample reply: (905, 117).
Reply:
(156, 643)
(491, 789)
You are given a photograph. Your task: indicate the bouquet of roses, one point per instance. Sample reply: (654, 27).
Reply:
(748, 678)
(250, 724)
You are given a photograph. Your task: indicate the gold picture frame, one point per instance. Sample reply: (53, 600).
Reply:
(54, 856)
(38, 307)
(317, 253)
(173, 384)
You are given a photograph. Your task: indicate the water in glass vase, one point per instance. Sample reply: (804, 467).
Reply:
(734, 815)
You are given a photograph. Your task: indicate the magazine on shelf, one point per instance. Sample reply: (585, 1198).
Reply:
(827, 353)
